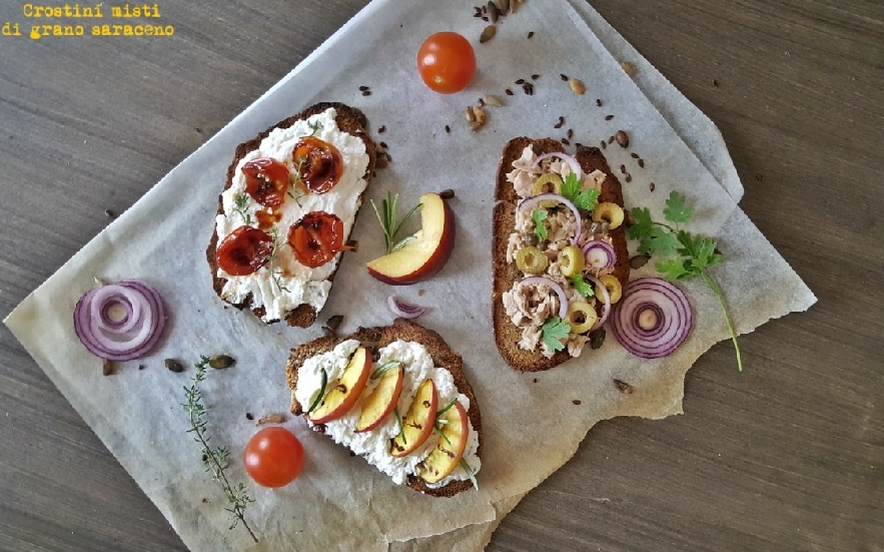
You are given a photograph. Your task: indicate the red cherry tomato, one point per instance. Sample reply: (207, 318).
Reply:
(267, 180)
(316, 238)
(274, 457)
(446, 62)
(244, 251)
(319, 164)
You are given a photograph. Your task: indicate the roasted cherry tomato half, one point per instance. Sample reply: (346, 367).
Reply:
(316, 238)
(244, 251)
(274, 457)
(267, 181)
(446, 62)
(319, 164)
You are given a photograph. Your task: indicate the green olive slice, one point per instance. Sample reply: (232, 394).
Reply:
(571, 261)
(531, 260)
(581, 317)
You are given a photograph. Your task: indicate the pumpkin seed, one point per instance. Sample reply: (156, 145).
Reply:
(220, 362)
(622, 138)
(173, 365)
(487, 33)
(493, 101)
(638, 261)
(577, 86)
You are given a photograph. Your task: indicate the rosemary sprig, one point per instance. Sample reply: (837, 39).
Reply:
(379, 371)
(387, 216)
(215, 458)
(399, 422)
(470, 473)
(321, 393)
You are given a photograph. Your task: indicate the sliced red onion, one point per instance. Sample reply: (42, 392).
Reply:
(555, 286)
(532, 202)
(606, 303)
(599, 254)
(125, 338)
(403, 309)
(652, 318)
(571, 161)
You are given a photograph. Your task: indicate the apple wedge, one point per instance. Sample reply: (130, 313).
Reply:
(452, 444)
(425, 254)
(418, 422)
(344, 392)
(382, 400)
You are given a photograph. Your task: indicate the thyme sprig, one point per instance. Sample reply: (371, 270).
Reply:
(241, 205)
(215, 459)
(276, 273)
(387, 216)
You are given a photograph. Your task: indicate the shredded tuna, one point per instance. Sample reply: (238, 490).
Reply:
(530, 304)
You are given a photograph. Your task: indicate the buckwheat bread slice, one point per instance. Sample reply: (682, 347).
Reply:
(377, 337)
(504, 274)
(350, 120)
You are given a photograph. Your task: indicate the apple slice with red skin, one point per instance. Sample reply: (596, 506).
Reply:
(453, 438)
(418, 422)
(382, 400)
(346, 390)
(426, 254)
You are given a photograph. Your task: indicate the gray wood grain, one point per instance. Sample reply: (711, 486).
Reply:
(786, 456)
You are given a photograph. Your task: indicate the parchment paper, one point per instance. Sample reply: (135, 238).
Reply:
(530, 428)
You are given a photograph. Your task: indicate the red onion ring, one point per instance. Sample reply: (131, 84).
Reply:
(403, 309)
(532, 202)
(128, 338)
(571, 161)
(606, 305)
(555, 286)
(599, 254)
(652, 318)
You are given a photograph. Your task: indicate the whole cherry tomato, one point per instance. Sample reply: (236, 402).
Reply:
(446, 62)
(274, 457)
(244, 251)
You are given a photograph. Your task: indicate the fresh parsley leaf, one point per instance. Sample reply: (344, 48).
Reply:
(676, 209)
(572, 190)
(538, 216)
(674, 269)
(582, 287)
(554, 332)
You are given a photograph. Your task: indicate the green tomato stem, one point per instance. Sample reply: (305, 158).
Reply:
(713, 285)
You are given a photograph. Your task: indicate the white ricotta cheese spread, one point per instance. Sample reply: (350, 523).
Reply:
(374, 445)
(282, 284)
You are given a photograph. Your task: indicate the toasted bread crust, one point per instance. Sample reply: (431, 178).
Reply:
(349, 120)
(504, 274)
(377, 337)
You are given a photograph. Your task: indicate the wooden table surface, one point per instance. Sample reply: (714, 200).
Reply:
(788, 455)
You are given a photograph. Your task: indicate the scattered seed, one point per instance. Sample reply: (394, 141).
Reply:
(363, 88)
(274, 418)
(535, 380)
(388, 156)
(447, 129)
(622, 138)
(714, 83)
(641, 163)
(530, 34)
(107, 367)
(623, 169)
(173, 365)
(366, 92)
(570, 133)
(623, 387)
(220, 362)
(610, 138)
(633, 155)
(528, 88)
(493, 11)
(577, 86)
(447, 193)
(381, 129)
(487, 33)
(535, 76)
(508, 92)
(477, 14)
(628, 68)
(564, 77)
(597, 339)
(653, 186)
(560, 123)
(141, 366)
(608, 117)
(493, 101)
(638, 261)
(383, 145)
(628, 178)
(576, 401)
(604, 144)
(520, 81)
(565, 141)
(110, 214)
(334, 322)
(249, 416)
(598, 102)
